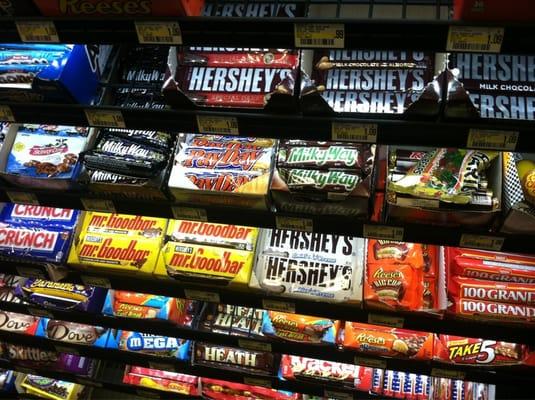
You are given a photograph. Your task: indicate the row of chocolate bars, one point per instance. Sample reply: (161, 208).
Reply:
(245, 322)
(457, 187)
(352, 81)
(313, 266)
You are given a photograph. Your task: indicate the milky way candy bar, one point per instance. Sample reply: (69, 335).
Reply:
(122, 165)
(156, 139)
(312, 180)
(71, 332)
(18, 323)
(254, 57)
(322, 157)
(233, 358)
(112, 145)
(99, 176)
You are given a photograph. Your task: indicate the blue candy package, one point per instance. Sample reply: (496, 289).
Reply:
(120, 303)
(64, 218)
(7, 380)
(145, 343)
(73, 333)
(299, 328)
(39, 57)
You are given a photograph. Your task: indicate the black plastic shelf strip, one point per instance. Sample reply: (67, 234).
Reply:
(391, 131)
(343, 225)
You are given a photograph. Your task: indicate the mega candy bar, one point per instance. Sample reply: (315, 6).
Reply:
(18, 323)
(145, 343)
(161, 380)
(39, 215)
(299, 328)
(239, 57)
(233, 358)
(71, 332)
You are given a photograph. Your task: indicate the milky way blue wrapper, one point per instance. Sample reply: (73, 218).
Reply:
(145, 343)
(73, 333)
(39, 215)
(61, 296)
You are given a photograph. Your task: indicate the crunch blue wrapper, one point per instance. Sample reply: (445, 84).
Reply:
(39, 215)
(145, 343)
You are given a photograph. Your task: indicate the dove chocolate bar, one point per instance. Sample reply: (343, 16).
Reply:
(71, 332)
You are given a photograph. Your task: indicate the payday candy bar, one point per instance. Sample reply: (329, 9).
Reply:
(299, 328)
(332, 181)
(233, 358)
(71, 332)
(480, 352)
(120, 303)
(18, 323)
(238, 57)
(228, 142)
(232, 320)
(222, 181)
(59, 295)
(156, 345)
(161, 380)
(39, 215)
(225, 158)
(325, 156)
(492, 309)
(392, 342)
(506, 292)
(49, 388)
(161, 140)
(111, 145)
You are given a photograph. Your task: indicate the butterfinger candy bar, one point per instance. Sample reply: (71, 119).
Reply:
(240, 57)
(18, 323)
(332, 181)
(233, 358)
(298, 328)
(492, 309)
(335, 156)
(477, 352)
(505, 292)
(390, 342)
(225, 159)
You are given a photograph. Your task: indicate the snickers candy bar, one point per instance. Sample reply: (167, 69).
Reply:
(335, 181)
(19, 323)
(121, 165)
(71, 332)
(110, 145)
(161, 140)
(324, 157)
(218, 56)
(233, 358)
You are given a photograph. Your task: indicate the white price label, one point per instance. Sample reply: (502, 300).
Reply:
(39, 312)
(23, 198)
(386, 320)
(420, 203)
(98, 205)
(201, 295)
(66, 349)
(475, 38)
(154, 32)
(257, 381)
(370, 362)
(319, 35)
(334, 394)
(105, 118)
(294, 223)
(482, 242)
(350, 132)
(162, 366)
(37, 31)
(383, 232)
(448, 373)
(190, 213)
(146, 393)
(31, 272)
(96, 281)
(254, 345)
(276, 305)
(492, 140)
(217, 125)
(6, 114)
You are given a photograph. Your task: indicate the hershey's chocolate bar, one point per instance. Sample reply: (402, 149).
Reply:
(253, 9)
(369, 101)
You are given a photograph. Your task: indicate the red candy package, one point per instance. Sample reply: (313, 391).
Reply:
(492, 309)
(218, 56)
(162, 380)
(214, 389)
(478, 289)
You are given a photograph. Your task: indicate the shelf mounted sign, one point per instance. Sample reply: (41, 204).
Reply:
(448, 373)
(98, 205)
(383, 232)
(487, 139)
(482, 242)
(218, 125)
(309, 35)
(254, 345)
(105, 118)
(32, 272)
(6, 114)
(37, 31)
(277, 305)
(96, 281)
(23, 198)
(256, 381)
(190, 213)
(477, 39)
(370, 362)
(334, 394)
(201, 295)
(386, 320)
(156, 32)
(294, 223)
(351, 132)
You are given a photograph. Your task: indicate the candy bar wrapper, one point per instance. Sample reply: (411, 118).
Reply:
(39, 57)
(61, 218)
(213, 389)
(491, 291)
(18, 323)
(481, 309)
(118, 241)
(162, 346)
(111, 145)
(231, 320)
(235, 359)
(299, 328)
(391, 252)
(74, 333)
(309, 265)
(477, 352)
(49, 388)
(121, 303)
(497, 86)
(62, 296)
(8, 284)
(265, 9)
(162, 380)
(391, 342)
(235, 57)
(7, 380)
(155, 139)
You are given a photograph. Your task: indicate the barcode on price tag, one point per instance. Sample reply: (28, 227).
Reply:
(334, 394)
(254, 345)
(447, 373)
(256, 381)
(37, 31)
(482, 242)
(386, 320)
(193, 214)
(96, 281)
(39, 312)
(105, 118)
(276, 305)
(364, 133)
(492, 140)
(153, 32)
(370, 362)
(319, 35)
(23, 198)
(98, 205)
(212, 124)
(383, 232)
(294, 223)
(201, 295)
(6, 114)
(475, 38)
(31, 272)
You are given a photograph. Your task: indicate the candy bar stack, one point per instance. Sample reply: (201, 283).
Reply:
(161, 380)
(231, 320)
(490, 285)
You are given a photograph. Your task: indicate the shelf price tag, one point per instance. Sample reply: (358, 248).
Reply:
(254, 345)
(479, 39)
(350, 132)
(448, 373)
(386, 320)
(487, 139)
(414, 202)
(39, 312)
(37, 31)
(214, 124)
(31, 272)
(294, 223)
(370, 362)
(96, 281)
(154, 32)
(66, 349)
(98, 205)
(319, 35)
(257, 381)
(201, 295)
(162, 366)
(146, 393)
(190, 213)
(26, 370)
(276, 305)
(383, 232)
(6, 114)
(482, 242)
(334, 394)
(105, 118)
(89, 382)
(23, 198)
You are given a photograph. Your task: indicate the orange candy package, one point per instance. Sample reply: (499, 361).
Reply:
(299, 328)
